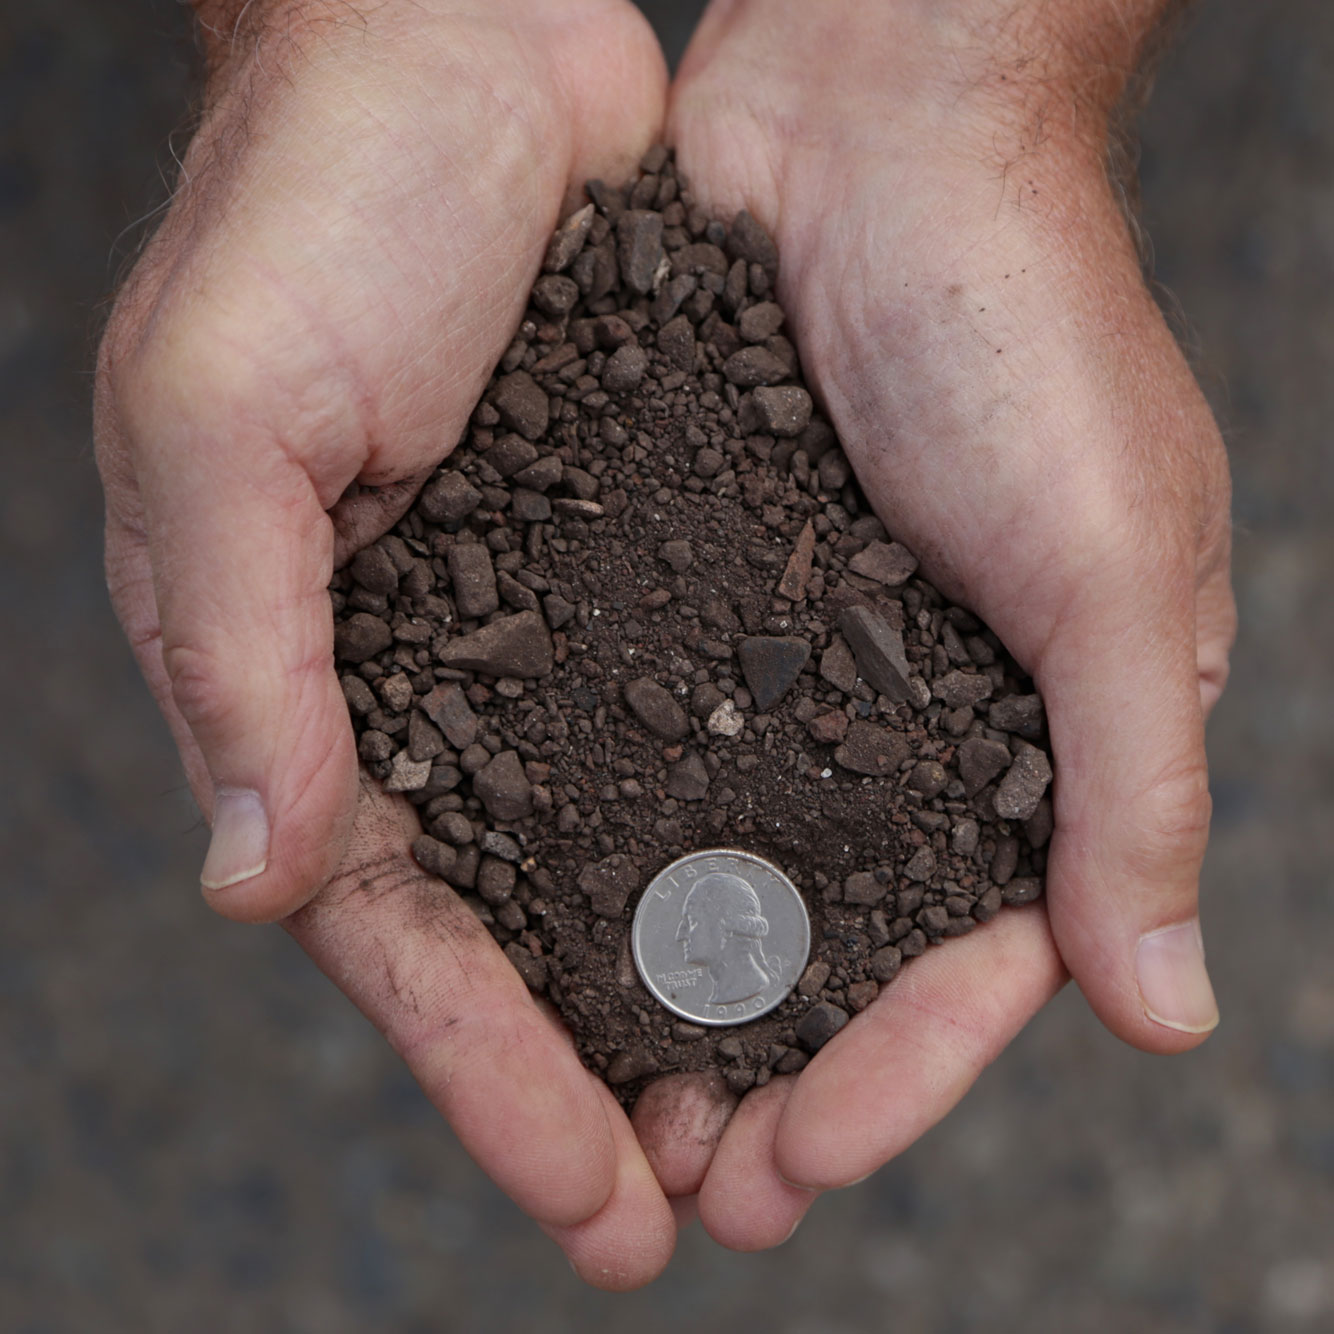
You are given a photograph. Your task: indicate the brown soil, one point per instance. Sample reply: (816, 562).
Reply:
(644, 609)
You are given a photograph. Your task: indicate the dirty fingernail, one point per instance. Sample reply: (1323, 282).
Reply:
(1174, 984)
(239, 848)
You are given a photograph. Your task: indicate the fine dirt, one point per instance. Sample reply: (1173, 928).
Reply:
(644, 609)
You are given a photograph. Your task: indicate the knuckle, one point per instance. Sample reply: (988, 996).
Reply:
(238, 353)
(198, 689)
(1172, 817)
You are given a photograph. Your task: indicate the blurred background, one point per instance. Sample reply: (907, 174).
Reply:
(197, 1133)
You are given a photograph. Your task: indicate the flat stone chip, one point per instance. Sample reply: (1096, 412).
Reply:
(888, 563)
(568, 240)
(473, 578)
(448, 708)
(639, 248)
(797, 573)
(1024, 784)
(522, 405)
(771, 665)
(871, 749)
(518, 645)
(878, 650)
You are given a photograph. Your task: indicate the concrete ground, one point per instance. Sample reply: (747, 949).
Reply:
(197, 1133)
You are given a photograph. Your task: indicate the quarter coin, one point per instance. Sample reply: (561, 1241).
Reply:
(721, 937)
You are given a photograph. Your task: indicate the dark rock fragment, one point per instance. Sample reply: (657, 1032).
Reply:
(865, 888)
(753, 366)
(448, 499)
(676, 341)
(888, 563)
(678, 554)
(1021, 714)
(698, 259)
(760, 321)
(503, 787)
(929, 778)
(473, 578)
(771, 665)
(518, 645)
(819, 1024)
(626, 1066)
(609, 884)
(529, 506)
(1024, 784)
(979, 761)
(813, 978)
(373, 570)
(688, 779)
(542, 474)
(654, 706)
(871, 749)
(522, 404)
(360, 637)
(448, 708)
(961, 690)
(885, 963)
(797, 574)
(1022, 889)
(433, 856)
(784, 410)
(921, 866)
(495, 880)
(529, 966)
(838, 667)
(558, 611)
(878, 650)
(639, 248)
(624, 369)
(360, 698)
(424, 741)
(554, 294)
(747, 240)
(568, 240)
(510, 453)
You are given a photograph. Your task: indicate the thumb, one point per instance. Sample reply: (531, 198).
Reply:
(219, 560)
(1120, 679)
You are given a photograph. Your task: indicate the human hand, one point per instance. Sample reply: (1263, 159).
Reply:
(968, 302)
(357, 224)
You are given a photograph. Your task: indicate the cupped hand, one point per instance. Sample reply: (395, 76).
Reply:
(968, 303)
(357, 223)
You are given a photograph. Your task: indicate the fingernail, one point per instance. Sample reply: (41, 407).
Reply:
(240, 845)
(793, 1233)
(796, 1185)
(1174, 985)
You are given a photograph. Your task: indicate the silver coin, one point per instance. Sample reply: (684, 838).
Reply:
(721, 937)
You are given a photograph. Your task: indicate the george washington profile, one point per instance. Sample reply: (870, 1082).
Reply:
(721, 929)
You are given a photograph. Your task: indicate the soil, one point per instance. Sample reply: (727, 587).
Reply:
(644, 609)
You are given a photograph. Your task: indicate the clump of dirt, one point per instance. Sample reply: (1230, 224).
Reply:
(644, 609)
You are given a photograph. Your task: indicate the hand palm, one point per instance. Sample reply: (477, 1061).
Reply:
(1004, 388)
